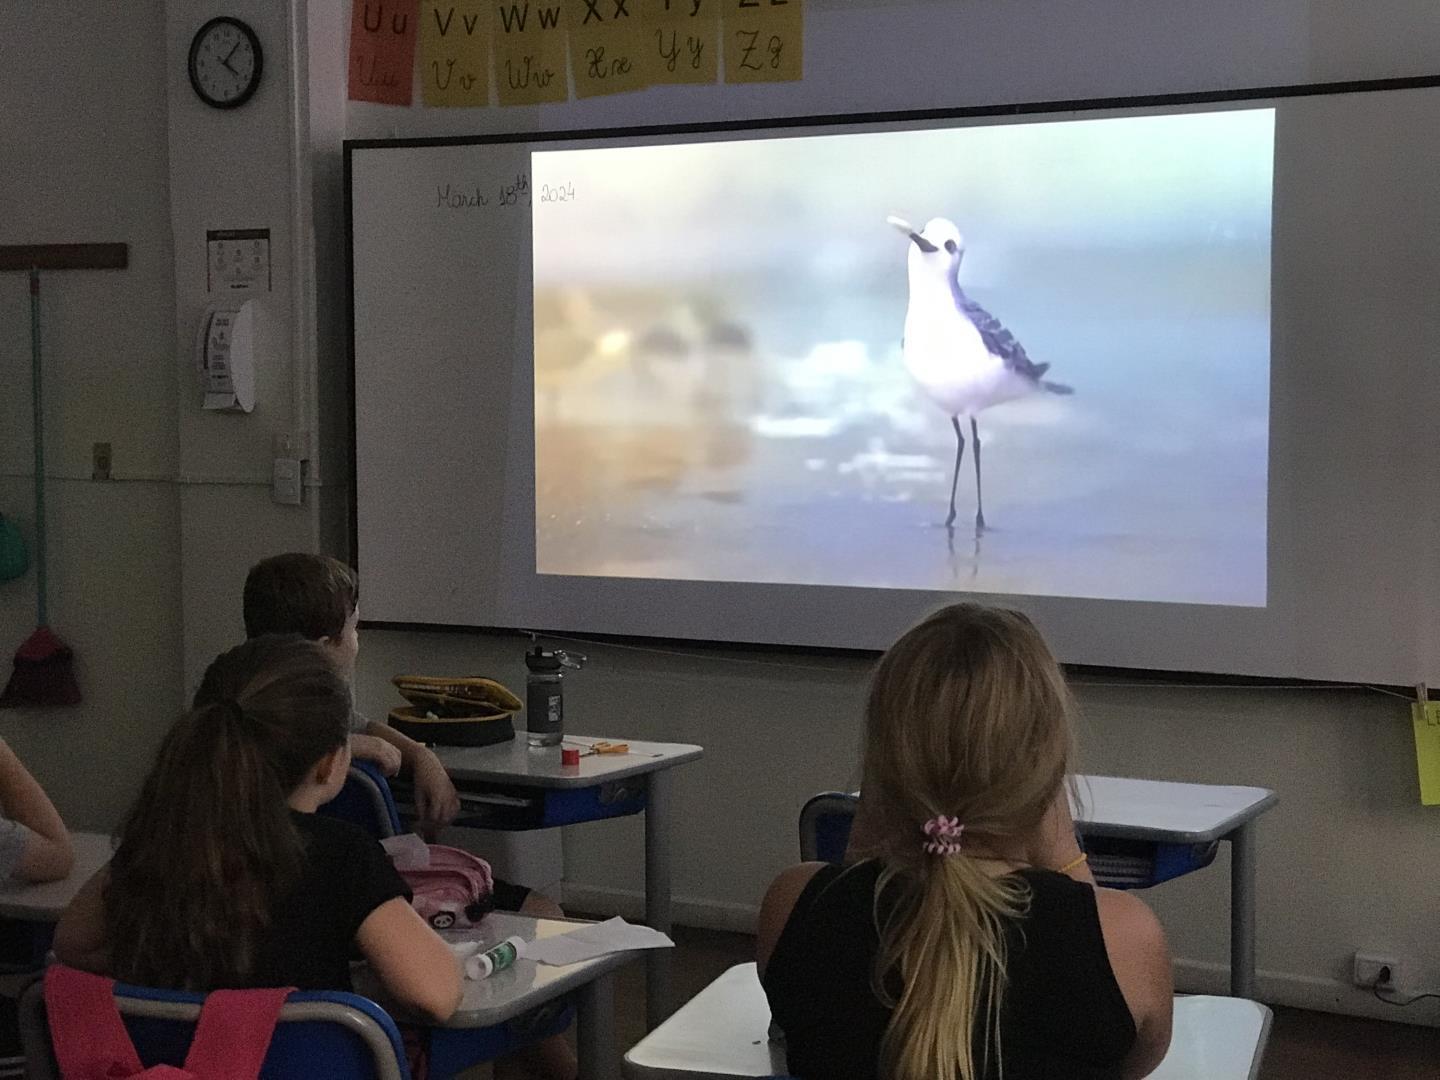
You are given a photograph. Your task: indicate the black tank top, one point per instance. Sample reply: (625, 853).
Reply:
(1063, 1016)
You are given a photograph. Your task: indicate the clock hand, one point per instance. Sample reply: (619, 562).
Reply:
(226, 59)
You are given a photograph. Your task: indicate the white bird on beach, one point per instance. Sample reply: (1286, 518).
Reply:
(962, 356)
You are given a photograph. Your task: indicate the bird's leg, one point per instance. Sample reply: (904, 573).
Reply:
(955, 476)
(979, 502)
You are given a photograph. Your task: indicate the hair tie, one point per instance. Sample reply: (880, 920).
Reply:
(944, 833)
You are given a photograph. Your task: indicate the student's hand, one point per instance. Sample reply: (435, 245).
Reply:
(436, 801)
(385, 757)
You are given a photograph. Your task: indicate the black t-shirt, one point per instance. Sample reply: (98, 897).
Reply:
(347, 875)
(1063, 1015)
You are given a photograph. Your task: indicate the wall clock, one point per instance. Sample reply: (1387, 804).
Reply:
(225, 63)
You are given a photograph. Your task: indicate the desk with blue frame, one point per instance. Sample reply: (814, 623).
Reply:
(514, 786)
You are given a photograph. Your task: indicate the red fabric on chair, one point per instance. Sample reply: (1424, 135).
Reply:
(231, 1038)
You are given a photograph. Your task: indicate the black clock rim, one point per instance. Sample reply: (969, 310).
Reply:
(249, 91)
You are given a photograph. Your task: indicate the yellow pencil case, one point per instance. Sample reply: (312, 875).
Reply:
(464, 711)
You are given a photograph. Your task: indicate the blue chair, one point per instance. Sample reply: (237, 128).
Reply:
(320, 1033)
(366, 801)
(825, 822)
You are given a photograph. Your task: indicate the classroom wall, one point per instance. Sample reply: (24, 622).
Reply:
(112, 144)
(83, 132)
(1345, 859)
(243, 168)
(147, 571)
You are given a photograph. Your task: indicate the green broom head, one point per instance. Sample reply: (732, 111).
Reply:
(44, 674)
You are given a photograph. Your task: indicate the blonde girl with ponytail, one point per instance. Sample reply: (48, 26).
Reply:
(964, 939)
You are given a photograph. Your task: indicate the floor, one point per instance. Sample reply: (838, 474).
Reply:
(1303, 1045)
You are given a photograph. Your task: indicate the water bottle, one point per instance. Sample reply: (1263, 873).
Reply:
(544, 704)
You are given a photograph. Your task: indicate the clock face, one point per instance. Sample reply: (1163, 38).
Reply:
(225, 63)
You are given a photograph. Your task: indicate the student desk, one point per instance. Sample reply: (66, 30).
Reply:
(1139, 832)
(526, 985)
(512, 785)
(723, 1032)
(1161, 812)
(44, 903)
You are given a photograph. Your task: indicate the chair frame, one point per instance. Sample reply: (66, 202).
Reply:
(375, 789)
(360, 1016)
(817, 807)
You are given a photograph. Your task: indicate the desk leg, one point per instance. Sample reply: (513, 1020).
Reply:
(1242, 911)
(595, 1030)
(659, 793)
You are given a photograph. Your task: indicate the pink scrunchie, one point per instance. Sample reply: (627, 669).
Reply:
(944, 833)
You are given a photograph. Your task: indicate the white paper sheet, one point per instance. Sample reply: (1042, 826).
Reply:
(407, 852)
(598, 939)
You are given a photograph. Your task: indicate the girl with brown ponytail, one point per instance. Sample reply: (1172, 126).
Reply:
(964, 939)
(225, 877)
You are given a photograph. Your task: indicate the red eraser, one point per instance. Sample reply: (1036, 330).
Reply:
(569, 756)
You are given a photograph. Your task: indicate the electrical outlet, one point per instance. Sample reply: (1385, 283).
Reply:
(1377, 970)
(286, 482)
(100, 458)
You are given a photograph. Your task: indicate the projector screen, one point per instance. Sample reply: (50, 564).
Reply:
(739, 378)
(1156, 374)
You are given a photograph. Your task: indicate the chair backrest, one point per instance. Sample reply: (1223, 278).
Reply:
(321, 1033)
(366, 800)
(825, 822)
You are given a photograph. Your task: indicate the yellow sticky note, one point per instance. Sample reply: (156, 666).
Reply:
(764, 40)
(530, 53)
(1427, 750)
(455, 52)
(606, 41)
(682, 40)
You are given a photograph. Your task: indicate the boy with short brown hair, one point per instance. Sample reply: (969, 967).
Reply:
(319, 597)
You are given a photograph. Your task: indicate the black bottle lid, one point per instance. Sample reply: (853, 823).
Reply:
(540, 662)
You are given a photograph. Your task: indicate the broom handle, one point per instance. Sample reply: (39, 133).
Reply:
(37, 399)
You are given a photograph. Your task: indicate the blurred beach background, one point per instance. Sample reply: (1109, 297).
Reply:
(720, 394)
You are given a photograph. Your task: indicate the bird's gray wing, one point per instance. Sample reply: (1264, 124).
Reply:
(1000, 341)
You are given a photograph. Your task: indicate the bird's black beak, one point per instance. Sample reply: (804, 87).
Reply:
(905, 227)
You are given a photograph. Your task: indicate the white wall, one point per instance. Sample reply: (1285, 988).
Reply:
(83, 132)
(1345, 860)
(240, 169)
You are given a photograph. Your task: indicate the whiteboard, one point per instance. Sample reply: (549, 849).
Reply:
(441, 264)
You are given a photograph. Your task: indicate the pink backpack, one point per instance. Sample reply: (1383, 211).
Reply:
(231, 1039)
(455, 889)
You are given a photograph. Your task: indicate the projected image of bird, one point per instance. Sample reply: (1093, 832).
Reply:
(962, 357)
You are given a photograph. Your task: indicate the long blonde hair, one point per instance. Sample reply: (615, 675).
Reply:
(968, 717)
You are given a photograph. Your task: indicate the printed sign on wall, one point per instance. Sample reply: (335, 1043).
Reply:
(455, 52)
(382, 50)
(530, 52)
(606, 40)
(764, 40)
(682, 40)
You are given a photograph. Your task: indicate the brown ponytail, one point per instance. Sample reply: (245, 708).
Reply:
(968, 717)
(209, 843)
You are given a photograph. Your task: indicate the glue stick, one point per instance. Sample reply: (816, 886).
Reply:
(497, 957)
